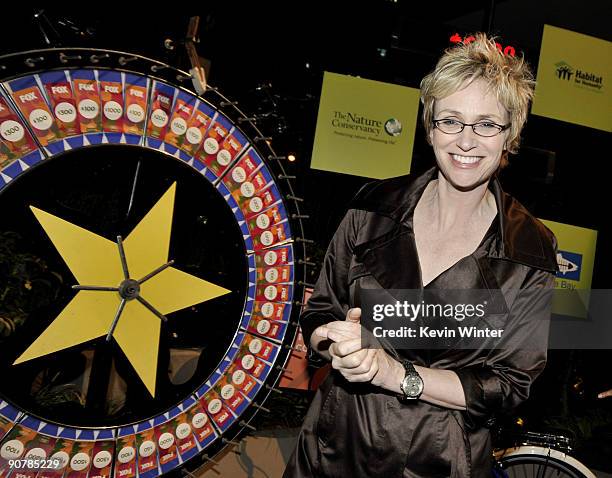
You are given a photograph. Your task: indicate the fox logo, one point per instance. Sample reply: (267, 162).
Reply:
(60, 90)
(185, 108)
(28, 97)
(136, 93)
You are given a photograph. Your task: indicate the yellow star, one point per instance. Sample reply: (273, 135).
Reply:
(128, 310)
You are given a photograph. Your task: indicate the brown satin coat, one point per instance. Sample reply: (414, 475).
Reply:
(358, 430)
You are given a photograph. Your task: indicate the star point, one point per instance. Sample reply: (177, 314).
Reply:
(96, 263)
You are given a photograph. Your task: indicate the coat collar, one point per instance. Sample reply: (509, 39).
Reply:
(519, 237)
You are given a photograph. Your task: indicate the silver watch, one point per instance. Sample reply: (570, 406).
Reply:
(412, 384)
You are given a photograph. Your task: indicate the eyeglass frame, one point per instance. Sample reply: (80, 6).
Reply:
(502, 127)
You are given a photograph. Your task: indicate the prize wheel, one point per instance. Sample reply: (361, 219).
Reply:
(151, 267)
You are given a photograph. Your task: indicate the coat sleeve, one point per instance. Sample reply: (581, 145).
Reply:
(503, 380)
(330, 298)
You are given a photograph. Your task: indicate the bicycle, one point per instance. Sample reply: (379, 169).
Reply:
(538, 455)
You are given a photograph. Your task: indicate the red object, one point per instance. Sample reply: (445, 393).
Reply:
(456, 38)
(507, 50)
(297, 375)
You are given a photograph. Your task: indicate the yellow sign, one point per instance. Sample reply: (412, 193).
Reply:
(96, 263)
(575, 258)
(364, 127)
(574, 80)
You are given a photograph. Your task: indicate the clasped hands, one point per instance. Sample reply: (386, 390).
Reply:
(349, 356)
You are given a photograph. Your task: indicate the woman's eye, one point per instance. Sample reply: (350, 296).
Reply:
(449, 122)
(487, 125)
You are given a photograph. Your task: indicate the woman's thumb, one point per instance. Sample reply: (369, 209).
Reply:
(354, 315)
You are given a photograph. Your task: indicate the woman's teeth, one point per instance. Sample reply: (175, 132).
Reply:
(466, 159)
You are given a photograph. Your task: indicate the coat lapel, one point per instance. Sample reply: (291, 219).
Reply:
(394, 264)
(521, 237)
(391, 256)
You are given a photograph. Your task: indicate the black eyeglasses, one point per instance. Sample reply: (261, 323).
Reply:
(483, 128)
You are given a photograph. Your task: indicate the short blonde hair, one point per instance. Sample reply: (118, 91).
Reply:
(510, 79)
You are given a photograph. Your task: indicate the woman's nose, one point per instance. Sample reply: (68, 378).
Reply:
(467, 139)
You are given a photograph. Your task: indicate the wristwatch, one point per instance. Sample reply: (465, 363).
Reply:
(412, 384)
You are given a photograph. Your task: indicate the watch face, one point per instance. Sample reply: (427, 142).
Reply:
(412, 385)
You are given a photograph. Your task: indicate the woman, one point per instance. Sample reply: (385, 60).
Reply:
(450, 228)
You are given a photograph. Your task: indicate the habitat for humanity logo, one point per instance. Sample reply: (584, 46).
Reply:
(564, 71)
(355, 125)
(570, 265)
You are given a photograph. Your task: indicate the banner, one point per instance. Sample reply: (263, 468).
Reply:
(364, 127)
(575, 258)
(573, 81)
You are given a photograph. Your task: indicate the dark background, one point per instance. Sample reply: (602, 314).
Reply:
(271, 58)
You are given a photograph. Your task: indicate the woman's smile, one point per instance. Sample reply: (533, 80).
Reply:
(465, 162)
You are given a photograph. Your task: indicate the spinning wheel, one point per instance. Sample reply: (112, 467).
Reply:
(150, 245)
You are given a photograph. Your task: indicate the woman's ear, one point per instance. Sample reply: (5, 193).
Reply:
(503, 162)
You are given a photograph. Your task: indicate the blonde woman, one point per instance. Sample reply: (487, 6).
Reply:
(424, 413)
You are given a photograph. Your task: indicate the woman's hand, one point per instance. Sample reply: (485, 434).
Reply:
(372, 364)
(351, 359)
